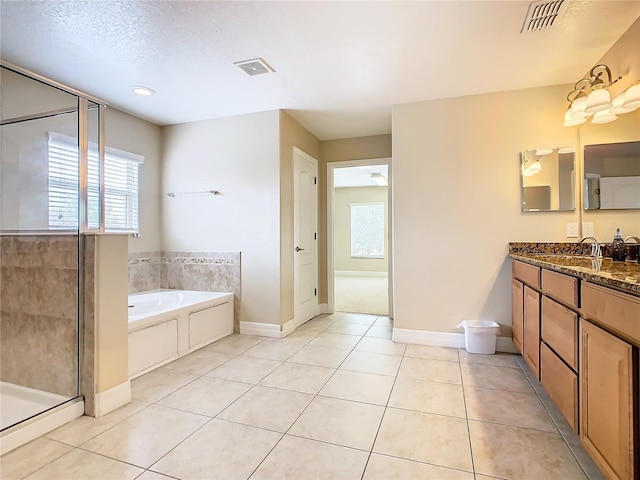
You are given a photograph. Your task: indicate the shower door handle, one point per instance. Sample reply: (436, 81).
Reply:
(298, 249)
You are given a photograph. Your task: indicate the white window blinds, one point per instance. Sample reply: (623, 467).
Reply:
(120, 186)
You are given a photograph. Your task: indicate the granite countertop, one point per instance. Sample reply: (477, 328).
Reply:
(624, 276)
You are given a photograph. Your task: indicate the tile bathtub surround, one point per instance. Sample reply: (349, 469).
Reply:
(39, 312)
(203, 271)
(290, 408)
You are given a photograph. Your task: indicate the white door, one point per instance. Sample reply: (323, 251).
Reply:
(305, 263)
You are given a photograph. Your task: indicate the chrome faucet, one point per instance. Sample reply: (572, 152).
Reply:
(596, 251)
(631, 237)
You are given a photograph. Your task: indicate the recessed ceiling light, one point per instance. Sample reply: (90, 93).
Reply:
(143, 91)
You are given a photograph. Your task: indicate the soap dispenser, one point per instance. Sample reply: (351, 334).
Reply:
(618, 248)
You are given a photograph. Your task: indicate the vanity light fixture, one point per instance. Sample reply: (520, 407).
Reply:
(143, 91)
(379, 179)
(591, 96)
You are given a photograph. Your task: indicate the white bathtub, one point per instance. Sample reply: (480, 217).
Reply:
(167, 324)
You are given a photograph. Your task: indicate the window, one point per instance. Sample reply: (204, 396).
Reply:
(367, 230)
(120, 186)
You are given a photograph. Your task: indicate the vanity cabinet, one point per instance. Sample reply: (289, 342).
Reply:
(607, 401)
(531, 317)
(517, 313)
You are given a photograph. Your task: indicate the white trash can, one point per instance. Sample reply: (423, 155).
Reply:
(480, 336)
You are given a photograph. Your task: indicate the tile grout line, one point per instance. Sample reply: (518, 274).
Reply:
(466, 414)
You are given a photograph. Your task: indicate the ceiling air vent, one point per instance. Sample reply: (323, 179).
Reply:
(541, 15)
(255, 66)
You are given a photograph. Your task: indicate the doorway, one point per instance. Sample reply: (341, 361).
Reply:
(359, 236)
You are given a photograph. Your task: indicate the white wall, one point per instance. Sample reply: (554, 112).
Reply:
(343, 197)
(240, 157)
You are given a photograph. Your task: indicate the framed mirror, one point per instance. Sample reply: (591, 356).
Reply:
(612, 176)
(548, 179)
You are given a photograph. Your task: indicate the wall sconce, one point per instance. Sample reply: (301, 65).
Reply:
(379, 179)
(591, 96)
(531, 163)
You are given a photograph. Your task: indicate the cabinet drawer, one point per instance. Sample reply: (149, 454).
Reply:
(560, 383)
(612, 309)
(529, 274)
(560, 331)
(561, 287)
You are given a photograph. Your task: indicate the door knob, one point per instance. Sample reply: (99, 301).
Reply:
(298, 249)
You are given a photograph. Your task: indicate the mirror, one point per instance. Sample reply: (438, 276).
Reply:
(547, 179)
(612, 176)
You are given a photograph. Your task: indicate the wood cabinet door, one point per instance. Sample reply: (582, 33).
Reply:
(531, 343)
(606, 401)
(517, 310)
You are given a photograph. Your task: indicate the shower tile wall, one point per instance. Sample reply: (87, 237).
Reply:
(214, 271)
(39, 312)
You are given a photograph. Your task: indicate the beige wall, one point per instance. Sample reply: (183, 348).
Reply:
(132, 134)
(343, 197)
(361, 148)
(240, 157)
(111, 322)
(292, 134)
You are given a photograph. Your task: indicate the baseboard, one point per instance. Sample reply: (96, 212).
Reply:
(357, 273)
(261, 329)
(113, 398)
(322, 308)
(445, 339)
(289, 327)
(29, 430)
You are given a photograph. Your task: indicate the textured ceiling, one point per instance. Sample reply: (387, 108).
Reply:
(340, 66)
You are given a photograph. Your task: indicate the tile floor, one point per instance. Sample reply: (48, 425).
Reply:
(337, 399)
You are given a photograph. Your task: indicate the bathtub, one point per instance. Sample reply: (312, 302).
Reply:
(166, 324)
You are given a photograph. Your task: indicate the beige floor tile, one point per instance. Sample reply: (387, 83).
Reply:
(335, 340)
(245, 369)
(341, 422)
(317, 324)
(507, 408)
(359, 387)
(275, 349)
(81, 465)
(383, 321)
(146, 436)
(519, 454)
(432, 353)
(206, 396)
(268, 408)
(301, 459)
(234, 344)
(348, 328)
(429, 397)
(150, 475)
(29, 457)
(498, 378)
(430, 370)
(372, 363)
(424, 437)
(320, 356)
(85, 428)
(355, 318)
(298, 378)
(382, 467)
(221, 450)
(159, 383)
(380, 345)
(199, 362)
(379, 331)
(497, 360)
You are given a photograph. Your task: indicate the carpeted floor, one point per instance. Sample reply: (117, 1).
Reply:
(361, 294)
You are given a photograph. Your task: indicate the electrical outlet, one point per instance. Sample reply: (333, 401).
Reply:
(572, 230)
(587, 229)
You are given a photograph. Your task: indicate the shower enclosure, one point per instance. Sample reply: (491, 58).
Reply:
(50, 170)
